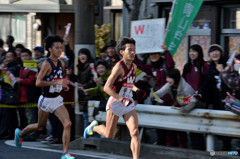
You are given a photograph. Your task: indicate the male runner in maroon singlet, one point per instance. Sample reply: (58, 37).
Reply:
(119, 86)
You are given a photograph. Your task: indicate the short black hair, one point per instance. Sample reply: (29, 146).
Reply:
(14, 53)
(49, 40)
(121, 43)
(27, 51)
(19, 46)
(111, 43)
(1, 42)
(10, 38)
(101, 62)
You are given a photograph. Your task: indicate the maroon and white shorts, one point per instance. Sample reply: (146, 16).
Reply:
(118, 108)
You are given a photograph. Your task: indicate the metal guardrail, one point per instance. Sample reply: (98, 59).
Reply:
(210, 122)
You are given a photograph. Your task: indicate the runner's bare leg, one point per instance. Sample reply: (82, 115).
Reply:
(40, 125)
(131, 120)
(62, 114)
(111, 124)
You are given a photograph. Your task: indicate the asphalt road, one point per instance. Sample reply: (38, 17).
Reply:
(38, 150)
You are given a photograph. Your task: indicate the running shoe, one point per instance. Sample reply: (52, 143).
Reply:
(89, 130)
(67, 156)
(17, 138)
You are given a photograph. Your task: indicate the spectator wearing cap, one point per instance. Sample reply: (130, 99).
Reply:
(39, 55)
(213, 90)
(112, 54)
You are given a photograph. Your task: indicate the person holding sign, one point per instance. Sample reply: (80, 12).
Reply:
(160, 64)
(51, 79)
(119, 86)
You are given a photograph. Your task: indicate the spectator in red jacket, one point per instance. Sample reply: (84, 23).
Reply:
(28, 92)
(195, 72)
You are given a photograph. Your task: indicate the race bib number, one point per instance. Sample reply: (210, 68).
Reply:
(56, 87)
(126, 90)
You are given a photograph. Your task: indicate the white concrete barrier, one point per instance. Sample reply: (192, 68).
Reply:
(210, 122)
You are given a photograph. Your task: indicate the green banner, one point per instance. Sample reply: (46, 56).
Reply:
(183, 14)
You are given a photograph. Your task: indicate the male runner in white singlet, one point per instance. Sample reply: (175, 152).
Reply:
(119, 86)
(50, 78)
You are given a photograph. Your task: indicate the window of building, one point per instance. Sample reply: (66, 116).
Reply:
(5, 23)
(230, 32)
(231, 17)
(203, 19)
(118, 25)
(18, 28)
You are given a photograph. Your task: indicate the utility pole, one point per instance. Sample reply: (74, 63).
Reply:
(84, 38)
(84, 25)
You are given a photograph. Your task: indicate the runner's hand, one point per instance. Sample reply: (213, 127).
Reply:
(65, 87)
(126, 101)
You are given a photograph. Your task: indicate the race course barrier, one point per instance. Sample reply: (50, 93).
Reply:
(210, 122)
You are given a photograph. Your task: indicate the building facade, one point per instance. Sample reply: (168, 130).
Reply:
(218, 21)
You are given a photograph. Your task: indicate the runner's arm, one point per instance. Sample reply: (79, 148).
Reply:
(117, 71)
(45, 69)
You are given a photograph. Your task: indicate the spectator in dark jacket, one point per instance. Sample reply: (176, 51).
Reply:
(85, 77)
(214, 90)
(9, 120)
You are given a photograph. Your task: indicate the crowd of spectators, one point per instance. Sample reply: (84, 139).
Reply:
(206, 81)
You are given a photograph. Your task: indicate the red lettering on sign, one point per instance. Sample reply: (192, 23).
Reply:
(139, 28)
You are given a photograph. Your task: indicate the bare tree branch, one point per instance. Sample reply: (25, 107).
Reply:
(127, 6)
(135, 9)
